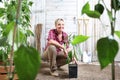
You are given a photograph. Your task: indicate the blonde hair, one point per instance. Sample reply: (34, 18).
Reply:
(59, 19)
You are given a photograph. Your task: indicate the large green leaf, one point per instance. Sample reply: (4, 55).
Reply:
(117, 33)
(79, 39)
(27, 62)
(86, 8)
(107, 50)
(99, 7)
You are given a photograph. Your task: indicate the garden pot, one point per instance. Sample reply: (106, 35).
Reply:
(73, 70)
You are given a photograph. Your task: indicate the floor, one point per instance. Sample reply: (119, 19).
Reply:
(86, 71)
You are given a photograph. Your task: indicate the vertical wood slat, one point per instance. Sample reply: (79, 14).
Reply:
(38, 31)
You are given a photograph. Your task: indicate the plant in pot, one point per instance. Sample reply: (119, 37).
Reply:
(73, 55)
(107, 47)
(14, 32)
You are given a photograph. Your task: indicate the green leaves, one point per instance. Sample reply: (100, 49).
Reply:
(115, 4)
(79, 39)
(2, 10)
(107, 50)
(94, 14)
(27, 62)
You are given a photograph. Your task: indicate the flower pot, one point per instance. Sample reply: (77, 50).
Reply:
(73, 70)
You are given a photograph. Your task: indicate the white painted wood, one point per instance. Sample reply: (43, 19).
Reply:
(46, 11)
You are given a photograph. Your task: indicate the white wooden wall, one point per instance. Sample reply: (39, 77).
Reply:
(66, 9)
(46, 11)
(94, 29)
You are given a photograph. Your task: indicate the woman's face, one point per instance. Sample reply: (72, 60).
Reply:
(60, 26)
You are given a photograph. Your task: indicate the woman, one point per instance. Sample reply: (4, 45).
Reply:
(57, 47)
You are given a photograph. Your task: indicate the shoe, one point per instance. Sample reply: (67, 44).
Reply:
(54, 73)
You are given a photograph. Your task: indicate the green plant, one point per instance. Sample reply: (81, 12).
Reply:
(14, 31)
(75, 41)
(107, 47)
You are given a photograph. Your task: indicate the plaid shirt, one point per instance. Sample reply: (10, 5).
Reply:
(53, 34)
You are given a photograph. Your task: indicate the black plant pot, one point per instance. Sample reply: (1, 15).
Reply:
(73, 70)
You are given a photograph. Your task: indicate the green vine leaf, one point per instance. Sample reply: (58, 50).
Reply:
(27, 62)
(107, 50)
(79, 39)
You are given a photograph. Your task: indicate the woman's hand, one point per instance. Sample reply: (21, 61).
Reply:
(65, 52)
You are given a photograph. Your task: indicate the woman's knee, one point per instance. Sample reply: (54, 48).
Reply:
(51, 47)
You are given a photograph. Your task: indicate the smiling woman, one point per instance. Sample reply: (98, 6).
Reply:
(57, 47)
(59, 24)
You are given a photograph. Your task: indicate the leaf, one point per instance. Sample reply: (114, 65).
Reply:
(109, 15)
(30, 3)
(27, 62)
(2, 11)
(107, 50)
(86, 8)
(117, 33)
(79, 39)
(3, 41)
(115, 4)
(69, 58)
(93, 14)
(9, 27)
(29, 33)
(99, 7)
(21, 37)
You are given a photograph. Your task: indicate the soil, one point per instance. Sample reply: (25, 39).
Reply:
(86, 71)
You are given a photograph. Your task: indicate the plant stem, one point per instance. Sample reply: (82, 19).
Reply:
(112, 33)
(14, 35)
(113, 71)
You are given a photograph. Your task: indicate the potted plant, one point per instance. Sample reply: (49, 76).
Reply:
(107, 47)
(14, 31)
(73, 55)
